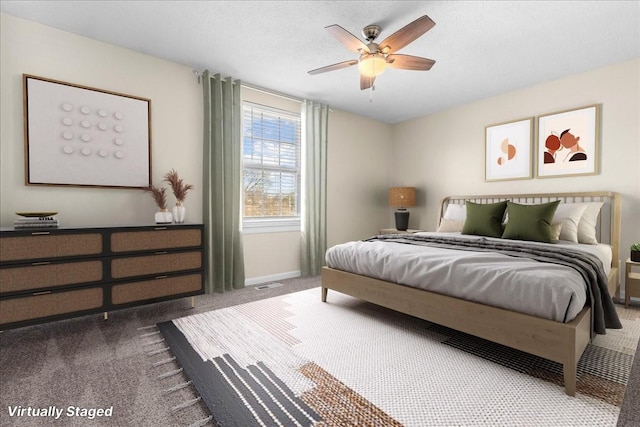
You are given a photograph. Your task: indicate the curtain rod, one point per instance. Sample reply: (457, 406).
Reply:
(198, 74)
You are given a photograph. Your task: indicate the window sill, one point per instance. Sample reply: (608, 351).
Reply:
(257, 226)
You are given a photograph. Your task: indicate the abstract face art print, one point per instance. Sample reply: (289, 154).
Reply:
(568, 142)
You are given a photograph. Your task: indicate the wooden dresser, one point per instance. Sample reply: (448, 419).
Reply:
(51, 274)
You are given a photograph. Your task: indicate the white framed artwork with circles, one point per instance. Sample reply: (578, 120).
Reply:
(82, 136)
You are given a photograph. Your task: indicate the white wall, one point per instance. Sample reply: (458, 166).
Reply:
(176, 111)
(443, 153)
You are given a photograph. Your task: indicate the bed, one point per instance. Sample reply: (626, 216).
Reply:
(562, 339)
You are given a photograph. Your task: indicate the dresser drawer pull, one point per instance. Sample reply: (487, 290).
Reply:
(35, 294)
(160, 228)
(41, 263)
(161, 277)
(161, 253)
(40, 233)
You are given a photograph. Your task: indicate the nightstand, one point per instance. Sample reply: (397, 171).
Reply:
(394, 231)
(631, 281)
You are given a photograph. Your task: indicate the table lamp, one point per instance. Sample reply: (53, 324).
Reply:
(402, 198)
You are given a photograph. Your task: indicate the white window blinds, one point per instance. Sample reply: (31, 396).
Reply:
(271, 156)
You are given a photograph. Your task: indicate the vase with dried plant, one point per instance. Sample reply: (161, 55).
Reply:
(163, 216)
(180, 190)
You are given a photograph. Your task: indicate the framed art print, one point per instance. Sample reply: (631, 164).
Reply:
(81, 136)
(568, 143)
(507, 152)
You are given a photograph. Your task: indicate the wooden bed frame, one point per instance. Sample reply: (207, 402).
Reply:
(560, 342)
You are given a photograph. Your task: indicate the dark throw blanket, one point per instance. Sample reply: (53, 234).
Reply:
(603, 311)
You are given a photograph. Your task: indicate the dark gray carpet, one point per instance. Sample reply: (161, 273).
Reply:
(630, 410)
(91, 363)
(87, 362)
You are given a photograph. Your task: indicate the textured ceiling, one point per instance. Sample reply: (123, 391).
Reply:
(481, 48)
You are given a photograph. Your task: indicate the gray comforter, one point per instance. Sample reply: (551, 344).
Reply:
(588, 273)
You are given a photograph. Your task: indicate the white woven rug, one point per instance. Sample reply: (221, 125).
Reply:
(348, 362)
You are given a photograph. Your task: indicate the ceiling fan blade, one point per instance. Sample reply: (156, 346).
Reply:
(337, 66)
(406, 34)
(366, 82)
(408, 62)
(346, 38)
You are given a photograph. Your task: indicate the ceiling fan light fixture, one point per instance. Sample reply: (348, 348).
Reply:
(375, 57)
(372, 65)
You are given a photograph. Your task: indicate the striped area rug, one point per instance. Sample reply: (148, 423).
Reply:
(295, 361)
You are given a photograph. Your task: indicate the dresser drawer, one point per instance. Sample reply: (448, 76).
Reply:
(156, 288)
(55, 273)
(155, 264)
(42, 245)
(160, 238)
(41, 275)
(49, 304)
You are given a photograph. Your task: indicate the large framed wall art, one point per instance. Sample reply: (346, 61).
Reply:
(83, 136)
(568, 142)
(508, 150)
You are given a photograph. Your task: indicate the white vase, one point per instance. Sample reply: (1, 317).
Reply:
(179, 212)
(164, 217)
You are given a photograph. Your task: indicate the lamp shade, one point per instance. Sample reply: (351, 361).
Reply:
(402, 197)
(372, 65)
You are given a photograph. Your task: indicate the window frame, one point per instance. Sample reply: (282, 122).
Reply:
(273, 224)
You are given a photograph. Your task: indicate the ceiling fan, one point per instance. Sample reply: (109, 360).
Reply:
(375, 57)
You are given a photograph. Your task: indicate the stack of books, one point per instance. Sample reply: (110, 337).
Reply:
(35, 220)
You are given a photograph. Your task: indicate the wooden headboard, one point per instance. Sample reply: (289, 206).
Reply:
(607, 228)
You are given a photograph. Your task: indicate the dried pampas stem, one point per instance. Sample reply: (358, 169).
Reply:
(158, 195)
(179, 188)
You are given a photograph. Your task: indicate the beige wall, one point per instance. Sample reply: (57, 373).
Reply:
(440, 154)
(271, 256)
(358, 176)
(176, 111)
(443, 153)
(359, 148)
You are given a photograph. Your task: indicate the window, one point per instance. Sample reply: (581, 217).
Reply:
(271, 171)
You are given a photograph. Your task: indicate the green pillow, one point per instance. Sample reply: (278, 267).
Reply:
(530, 222)
(484, 219)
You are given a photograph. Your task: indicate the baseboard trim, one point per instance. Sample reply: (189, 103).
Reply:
(271, 278)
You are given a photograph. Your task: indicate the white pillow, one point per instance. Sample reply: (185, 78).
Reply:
(556, 228)
(450, 226)
(587, 225)
(569, 215)
(456, 212)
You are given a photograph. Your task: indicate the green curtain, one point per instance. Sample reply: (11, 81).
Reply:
(222, 174)
(315, 119)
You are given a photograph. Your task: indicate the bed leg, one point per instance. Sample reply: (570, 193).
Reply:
(569, 370)
(324, 294)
